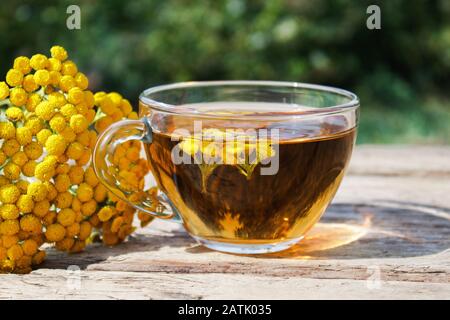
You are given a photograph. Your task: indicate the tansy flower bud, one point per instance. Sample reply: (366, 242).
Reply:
(69, 68)
(33, 100)
(31, 224)
(14, 77)
(65, 244)
(66, 83)
(33, 150)
(54, 64)
(7, 130)
(9, 241)
(55, 145)
(55, 77)
(64, 200)
(24, 136)
(45, 110)
(29, 84)
(23, 186)
(18, 97)
(42, 77)
(57, 99)
(66, 217)
(9, 193)
(37, 191)
(11, 171)
(75, 150)
(4, 90)
(58, 52)
(75, 95)
(38, 62)
(25, 203)
(9, 227)
(34, 124)
(22, 64)
(14, 113)
(29, 247)
(62, 182)
(20, 158)
(85, 192)
(105, 213)
(78, 123)
(41, 208)
(9, 211)
(72, 230)
(55, 232)
(10, 147)
(44, 171)
(58, 123)
(15, 252)
(82, 81)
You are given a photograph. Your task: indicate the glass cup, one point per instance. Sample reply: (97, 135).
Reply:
(246, 166)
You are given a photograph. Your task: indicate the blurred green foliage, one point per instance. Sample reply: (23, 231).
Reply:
(401, 72)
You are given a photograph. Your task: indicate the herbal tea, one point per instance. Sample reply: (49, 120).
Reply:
(236, 203)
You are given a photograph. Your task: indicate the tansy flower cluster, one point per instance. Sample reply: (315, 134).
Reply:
(49, 193)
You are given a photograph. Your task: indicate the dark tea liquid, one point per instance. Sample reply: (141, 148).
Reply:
(228, 206)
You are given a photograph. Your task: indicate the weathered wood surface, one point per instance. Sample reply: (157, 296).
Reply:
(386, 235)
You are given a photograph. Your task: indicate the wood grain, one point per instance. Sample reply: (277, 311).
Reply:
(386, 235)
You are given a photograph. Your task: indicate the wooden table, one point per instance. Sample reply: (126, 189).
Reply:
(386, 235)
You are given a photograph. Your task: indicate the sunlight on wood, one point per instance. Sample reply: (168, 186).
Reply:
(325, 236)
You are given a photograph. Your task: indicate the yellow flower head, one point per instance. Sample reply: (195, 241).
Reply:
(30, 247)
(85, 192)
(10, 147)
(9, 193)
(75, 150)
(66, 83)
(38, 62)
(69, 68)
(14, 77)
(9, 211)
(20, 158)
(18, 97)
(22, 64)
(66, 217)
(7, 130)
(78, 123)
(37, 191)
(4, 90)
(55, 232)
(45, 170)
(25, 203)
(29, 84)
(11, 171)
(9, 227)
(45, 110)
(33, 100)
(59, 53)
(55, 145)
(106, 213)
(30, 223)
(14, 113)
(34, 124)
(24, 135)
(42, 77)
(75, 95)
(58, 123)
(43, 135)
(54, 64)
(82, 81)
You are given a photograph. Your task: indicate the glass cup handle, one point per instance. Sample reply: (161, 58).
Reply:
(127, 130)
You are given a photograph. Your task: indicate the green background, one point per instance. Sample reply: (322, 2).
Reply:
(401, 72)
